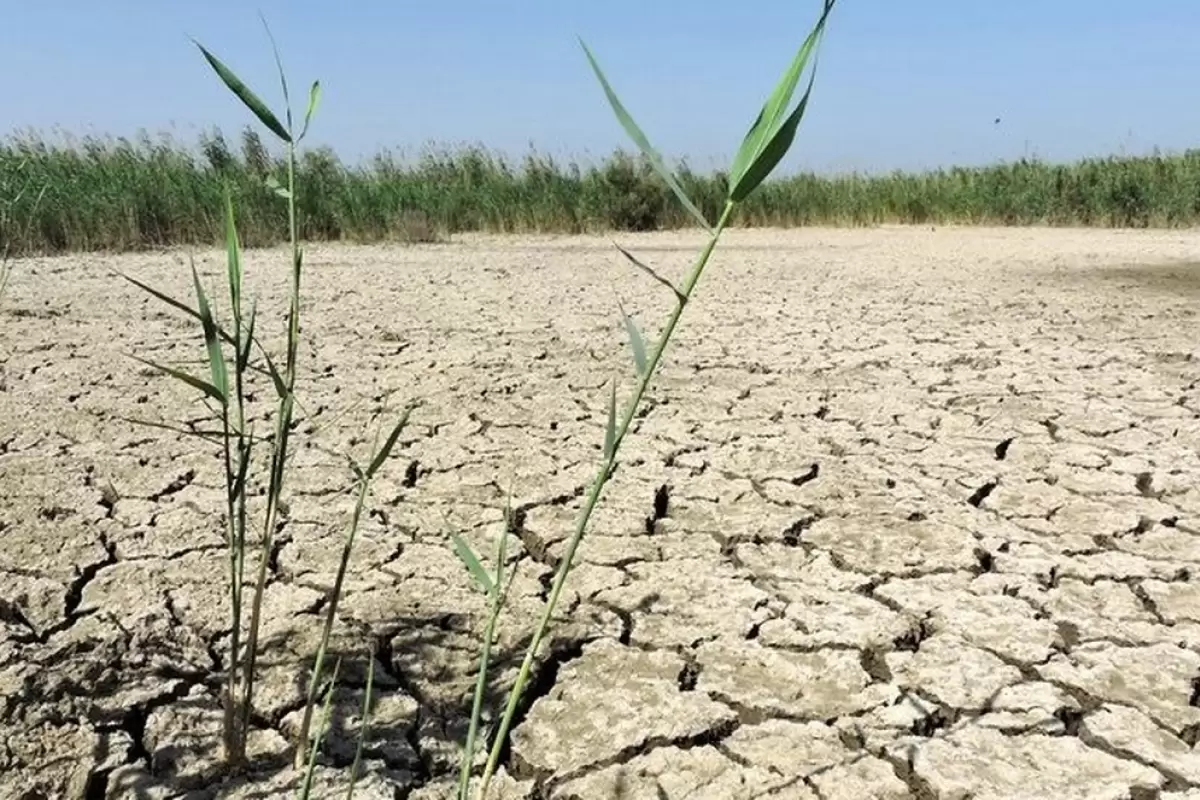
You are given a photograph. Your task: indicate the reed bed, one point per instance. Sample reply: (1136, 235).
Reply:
(118, 194)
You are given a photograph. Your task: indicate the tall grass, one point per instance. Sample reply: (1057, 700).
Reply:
(123, 194)
(16, 214)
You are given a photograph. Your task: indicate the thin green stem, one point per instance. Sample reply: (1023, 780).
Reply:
(234, 752)
(379, 455)
(294, 234)
(279, 452)
(273, 490)
(330, 613)
(235, 481)
(365, 729)
(236, 509)
(489, 635)
(311, 766)
(496, 601)
(602, 476)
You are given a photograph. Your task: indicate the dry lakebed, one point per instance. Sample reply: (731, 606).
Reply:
(909, 513)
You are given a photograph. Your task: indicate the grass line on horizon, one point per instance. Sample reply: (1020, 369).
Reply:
(127, 195)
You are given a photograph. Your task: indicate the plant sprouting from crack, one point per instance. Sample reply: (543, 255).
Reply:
(226, 390)
(764, 145)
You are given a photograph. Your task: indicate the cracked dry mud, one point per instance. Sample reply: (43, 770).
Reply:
(910, 513)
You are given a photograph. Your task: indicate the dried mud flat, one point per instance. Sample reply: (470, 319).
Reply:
(912, 513)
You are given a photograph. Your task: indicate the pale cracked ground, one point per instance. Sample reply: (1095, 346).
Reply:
(912, 513)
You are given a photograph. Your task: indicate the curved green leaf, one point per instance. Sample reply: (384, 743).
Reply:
(467, 556)
(216, 359)
(635, 341)
(314, 100)
(246, 95)
(233, 259)
(213, 436)
(774, 151)
(326, 714)
(365, 727)
(171, 301)
(610, 429)
(771, 117)
(388, 444)
(190, 380)
(287, 97)
(643, 143)
(644, 268)
(273, 371)
(243, 350)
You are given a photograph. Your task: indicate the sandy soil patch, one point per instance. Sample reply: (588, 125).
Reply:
(912, 513)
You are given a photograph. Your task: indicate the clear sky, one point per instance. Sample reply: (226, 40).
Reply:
(902, 83)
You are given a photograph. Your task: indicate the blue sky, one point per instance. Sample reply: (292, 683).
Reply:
(903, 84)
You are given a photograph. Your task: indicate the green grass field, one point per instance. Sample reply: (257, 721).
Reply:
(119, 194)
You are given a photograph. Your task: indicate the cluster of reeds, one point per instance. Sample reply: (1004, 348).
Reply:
(17, 195)
(125, 194)
(236, 360)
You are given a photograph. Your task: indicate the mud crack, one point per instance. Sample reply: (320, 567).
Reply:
(662, 501)
(536, 546)
(810, 475)
(711, 737)
(74, 594)
(133, 722)
(903, 766)
(979, 495)
(174, 487)
(545, 676)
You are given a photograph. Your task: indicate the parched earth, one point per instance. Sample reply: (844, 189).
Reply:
(909, 513)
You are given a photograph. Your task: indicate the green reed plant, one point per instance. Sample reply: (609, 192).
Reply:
(764, 145)
(306, 784)
(226, 390)
(492, 585)
(10, 198)
(363, 478)
(365, 727)
(118, 194)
